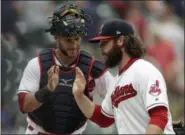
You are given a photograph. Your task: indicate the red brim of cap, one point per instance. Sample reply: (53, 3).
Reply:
(97, 39)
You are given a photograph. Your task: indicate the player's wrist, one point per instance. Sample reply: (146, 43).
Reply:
(48, 87)
(78, 95)
(43, 94)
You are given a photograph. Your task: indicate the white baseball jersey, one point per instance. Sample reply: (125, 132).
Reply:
(30, 84)
(139, 88)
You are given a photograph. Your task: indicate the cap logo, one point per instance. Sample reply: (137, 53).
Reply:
(101, 29)
(118, 32)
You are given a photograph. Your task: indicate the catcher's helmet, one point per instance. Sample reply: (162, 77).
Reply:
(69, 20)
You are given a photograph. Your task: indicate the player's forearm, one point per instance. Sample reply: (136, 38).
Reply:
(30, 103)
(27, 102)
(158, 120)
(153, 129)
(101, 119)
(92, 111)
(85, 105)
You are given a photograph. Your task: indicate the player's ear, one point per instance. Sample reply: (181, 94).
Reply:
(120, 41)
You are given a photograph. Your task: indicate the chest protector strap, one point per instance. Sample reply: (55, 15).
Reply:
(46, 60)
(92, 68)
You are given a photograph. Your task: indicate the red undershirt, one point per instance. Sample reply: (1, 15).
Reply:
(158, 117)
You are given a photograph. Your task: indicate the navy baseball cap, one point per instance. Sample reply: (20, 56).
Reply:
(113, 29)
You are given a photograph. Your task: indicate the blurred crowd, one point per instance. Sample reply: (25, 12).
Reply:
(160, 24)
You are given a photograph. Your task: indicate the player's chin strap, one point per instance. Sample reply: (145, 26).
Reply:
(178, 127)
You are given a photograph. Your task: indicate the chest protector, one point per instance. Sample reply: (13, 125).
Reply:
(60, 113)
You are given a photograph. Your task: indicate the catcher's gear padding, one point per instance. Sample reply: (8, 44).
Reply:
(59, 113)
(179, 128)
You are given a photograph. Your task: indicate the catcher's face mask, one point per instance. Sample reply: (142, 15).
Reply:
(69, 21)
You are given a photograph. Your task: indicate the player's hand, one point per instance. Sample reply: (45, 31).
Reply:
(53, 78)
(79, 83)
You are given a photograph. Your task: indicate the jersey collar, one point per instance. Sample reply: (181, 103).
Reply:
(129, 63)
(73, 64)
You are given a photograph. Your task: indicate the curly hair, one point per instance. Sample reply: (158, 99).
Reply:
(134, 47)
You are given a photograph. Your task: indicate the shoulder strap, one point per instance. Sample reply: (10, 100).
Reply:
(85, 61)
(98, 69)
(46, 60)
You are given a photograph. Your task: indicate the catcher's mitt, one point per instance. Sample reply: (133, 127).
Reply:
(179, 128)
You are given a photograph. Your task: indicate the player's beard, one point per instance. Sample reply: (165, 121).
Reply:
(114, 57)
(65, 52)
